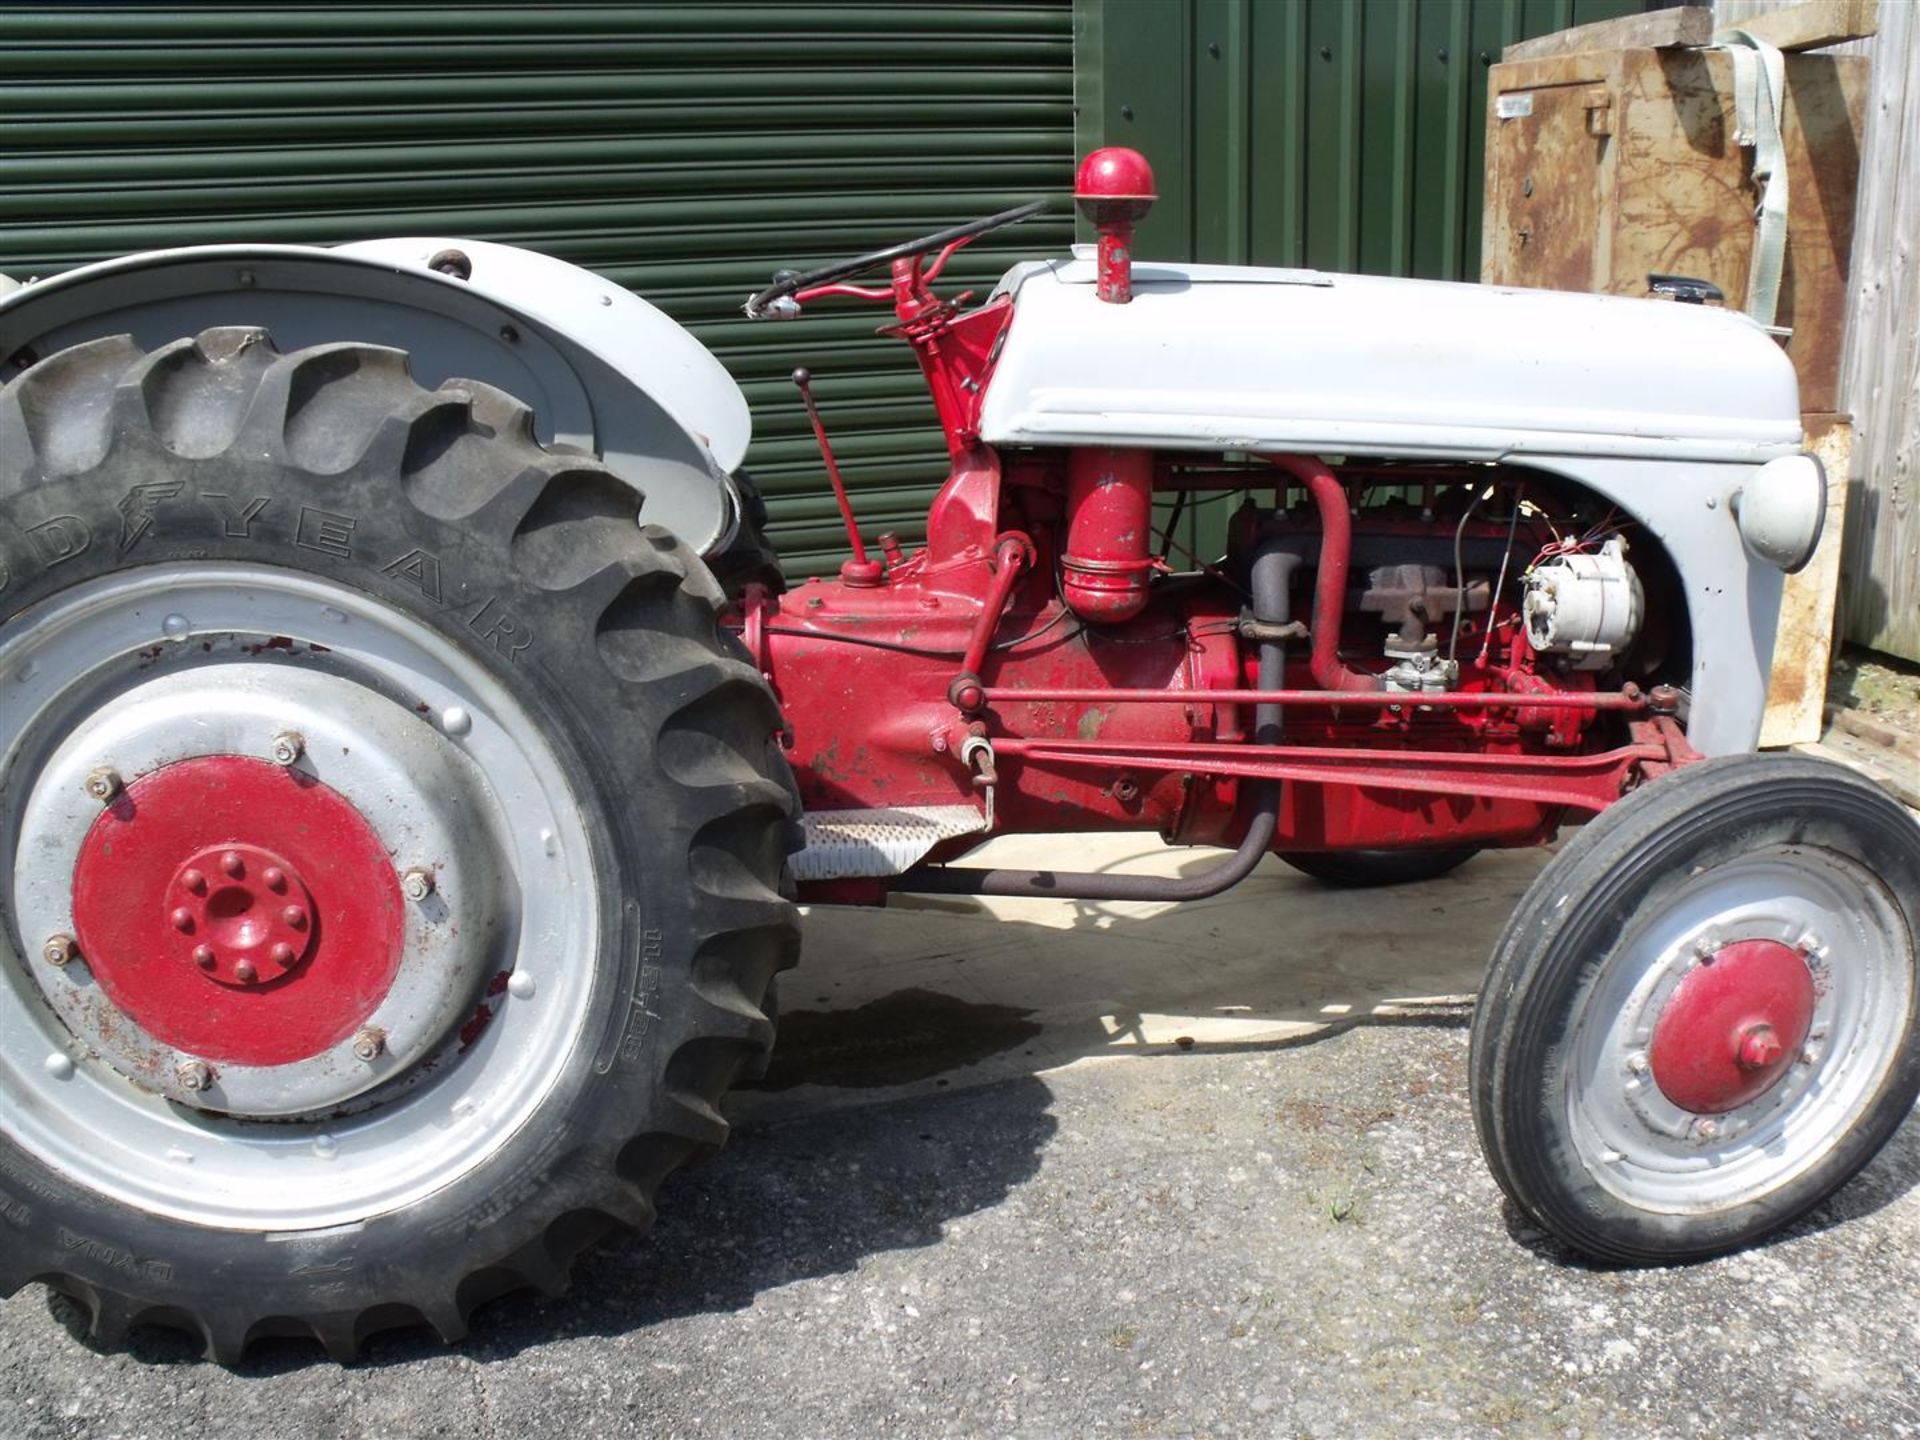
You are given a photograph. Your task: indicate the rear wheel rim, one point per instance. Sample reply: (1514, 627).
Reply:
(166, 665)
(1656, 1155)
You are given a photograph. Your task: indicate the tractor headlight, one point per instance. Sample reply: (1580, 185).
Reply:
(1782, 510)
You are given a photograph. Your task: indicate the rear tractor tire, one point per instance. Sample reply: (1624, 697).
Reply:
(392, 845)
(1704, 1017)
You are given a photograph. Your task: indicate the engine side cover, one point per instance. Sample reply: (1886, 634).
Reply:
(1225, 358)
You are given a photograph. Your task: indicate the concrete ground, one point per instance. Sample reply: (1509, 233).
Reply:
(1066, 1169)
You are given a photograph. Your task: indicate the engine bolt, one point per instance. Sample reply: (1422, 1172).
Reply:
(194, 1076)
(233, 864)
(182, 918)
(203, 956)
(368, 1044)
(103, 784)
(281, 954)
(59, 949)
(195, 882)
(417, 883)
(288, 746)
(294, 917)
(245, 973)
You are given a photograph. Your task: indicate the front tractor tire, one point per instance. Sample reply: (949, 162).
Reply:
(1704, 1017)
(392, 845)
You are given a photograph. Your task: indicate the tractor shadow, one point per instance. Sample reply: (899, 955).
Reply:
(909, 1088)
(799, 1199)
(938, 991)
(888, 1002)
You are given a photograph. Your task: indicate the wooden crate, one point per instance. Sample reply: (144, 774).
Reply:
(1607, 166)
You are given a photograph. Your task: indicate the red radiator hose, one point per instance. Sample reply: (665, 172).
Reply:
(1330, 583)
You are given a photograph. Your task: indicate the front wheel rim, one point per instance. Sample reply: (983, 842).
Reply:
(1656, 1156)
(111, 666)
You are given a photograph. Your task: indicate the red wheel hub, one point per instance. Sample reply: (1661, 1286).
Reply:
(241, 914)
(1733, 1027)
(239, 911)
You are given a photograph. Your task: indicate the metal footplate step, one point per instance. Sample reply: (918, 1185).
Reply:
(850, 844)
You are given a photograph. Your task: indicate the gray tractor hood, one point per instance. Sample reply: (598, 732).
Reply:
(1217, 357)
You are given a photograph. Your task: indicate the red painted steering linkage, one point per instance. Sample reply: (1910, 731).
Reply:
(1011, 555)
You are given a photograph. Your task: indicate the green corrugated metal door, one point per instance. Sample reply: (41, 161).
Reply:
(1338, 134)
(686, 151)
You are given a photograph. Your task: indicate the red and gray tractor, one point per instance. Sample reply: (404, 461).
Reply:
(411, 761)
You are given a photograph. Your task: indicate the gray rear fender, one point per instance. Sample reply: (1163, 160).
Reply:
(604, 372)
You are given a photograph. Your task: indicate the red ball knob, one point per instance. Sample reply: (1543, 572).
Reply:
(1114, 173)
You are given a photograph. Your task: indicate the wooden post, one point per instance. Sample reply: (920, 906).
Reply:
(1801, 654)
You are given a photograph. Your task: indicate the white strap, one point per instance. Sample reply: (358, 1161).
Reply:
(1759, 99)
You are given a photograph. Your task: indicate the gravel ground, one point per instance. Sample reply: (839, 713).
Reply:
(1280, 1239)
(1880, 687)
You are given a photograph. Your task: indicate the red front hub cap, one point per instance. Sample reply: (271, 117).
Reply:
(238, 911)
(1733, 1026)
(243, 915)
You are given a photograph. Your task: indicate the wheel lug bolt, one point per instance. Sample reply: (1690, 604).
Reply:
(233, 864)
(59, 949)
(194, 1076)
(294, 917)
(288, 746)
(1637, 1062)
(281, 955)
(103, 783)
(182, 918)
(245, 973)
(368, 1044)
(417, 883)
(1708, 1130)
(194, 881)
(203, 956)
(275, 878)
